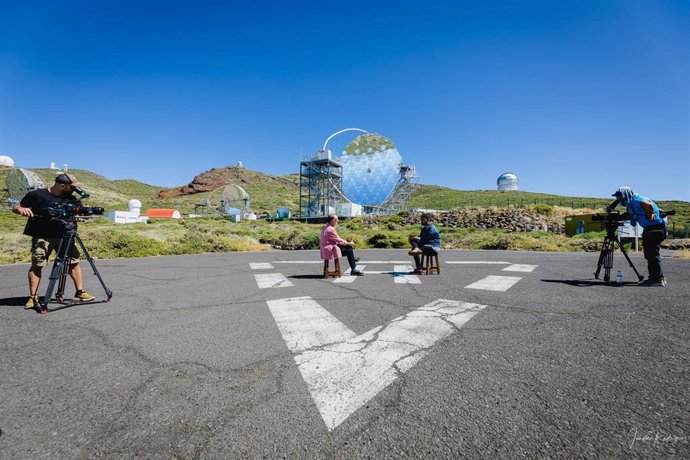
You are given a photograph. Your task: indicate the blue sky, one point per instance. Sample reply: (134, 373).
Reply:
(576, 97)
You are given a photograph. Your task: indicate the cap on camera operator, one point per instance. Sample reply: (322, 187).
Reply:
(644, 211)
(46, 233)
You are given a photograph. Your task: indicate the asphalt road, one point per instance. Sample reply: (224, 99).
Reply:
(188, 361)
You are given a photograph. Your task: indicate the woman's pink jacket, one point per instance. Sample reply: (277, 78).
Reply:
(329, 243)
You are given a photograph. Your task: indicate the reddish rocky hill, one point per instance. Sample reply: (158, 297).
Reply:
(219, 177)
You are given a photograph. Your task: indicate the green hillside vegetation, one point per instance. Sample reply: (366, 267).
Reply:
(104, 192)
(105, 239)
(442, 198)
(266, 193)
(192, 236)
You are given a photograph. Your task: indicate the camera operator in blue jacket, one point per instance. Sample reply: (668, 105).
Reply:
(644, 211)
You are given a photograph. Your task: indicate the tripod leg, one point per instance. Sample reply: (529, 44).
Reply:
(64, 255)
(58, 271)
(608, 263)
(625, 253)
(605, 259)
(602, 254)
(60, 293)
(108, 292)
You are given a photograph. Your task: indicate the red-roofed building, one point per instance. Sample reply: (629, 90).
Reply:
(163, 214)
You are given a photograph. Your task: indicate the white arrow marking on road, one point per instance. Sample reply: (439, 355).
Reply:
(342, 370)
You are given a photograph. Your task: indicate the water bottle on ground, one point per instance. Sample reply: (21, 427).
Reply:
(619, 278)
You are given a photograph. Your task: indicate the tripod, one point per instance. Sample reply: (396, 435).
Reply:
(606, 255)
(61, 268)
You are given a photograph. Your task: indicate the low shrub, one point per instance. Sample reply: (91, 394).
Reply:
(543, 209)
(387, 240)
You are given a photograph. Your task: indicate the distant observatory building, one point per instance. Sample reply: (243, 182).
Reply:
(6, 161)
(507, 182)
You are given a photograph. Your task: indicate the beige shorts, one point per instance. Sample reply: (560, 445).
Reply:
(41, 248)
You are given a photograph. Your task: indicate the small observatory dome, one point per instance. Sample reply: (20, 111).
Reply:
(134, 206)
(507, 182)
(6, 161)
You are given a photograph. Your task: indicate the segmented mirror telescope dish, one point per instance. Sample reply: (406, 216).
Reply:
(371, 169)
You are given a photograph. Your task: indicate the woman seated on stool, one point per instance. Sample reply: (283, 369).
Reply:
(332, 246)
(428, 242)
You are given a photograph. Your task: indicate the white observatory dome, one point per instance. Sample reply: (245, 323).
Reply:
(6, 161)
(134, 206)
(507, 182)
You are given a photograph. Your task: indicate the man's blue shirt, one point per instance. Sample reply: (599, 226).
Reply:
(637, 213)
(430, 236)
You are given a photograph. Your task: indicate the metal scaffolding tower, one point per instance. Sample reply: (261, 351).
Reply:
(320, 185)
(399, 198)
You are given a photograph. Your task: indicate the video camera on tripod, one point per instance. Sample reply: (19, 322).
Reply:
(611, 221)
(611, 217)
(67, 213)
(614, 219)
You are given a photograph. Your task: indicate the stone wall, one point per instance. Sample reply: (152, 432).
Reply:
(511, 219)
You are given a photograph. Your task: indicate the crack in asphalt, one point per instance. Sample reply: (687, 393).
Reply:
(249, 375)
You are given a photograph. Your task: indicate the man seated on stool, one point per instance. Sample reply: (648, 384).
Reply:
(427, 243)
(332, 246)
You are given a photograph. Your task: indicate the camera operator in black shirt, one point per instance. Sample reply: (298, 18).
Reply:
(47, 231)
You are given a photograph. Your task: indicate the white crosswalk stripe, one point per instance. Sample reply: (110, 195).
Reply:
(298, 262)
(520, 268)
(495, 283)
(476, 262)
(363, 262)
(260, 266)
(347, 278)
(272, 280)
(385, 262)
(401, 275)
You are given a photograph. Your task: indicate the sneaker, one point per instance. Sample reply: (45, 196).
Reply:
(356, 259)
(417, 271)
(32, 303)
(83, 296)
(356, 272)
(649, 282)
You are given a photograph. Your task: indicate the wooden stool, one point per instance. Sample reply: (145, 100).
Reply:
(429, 266)
(335, 272)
